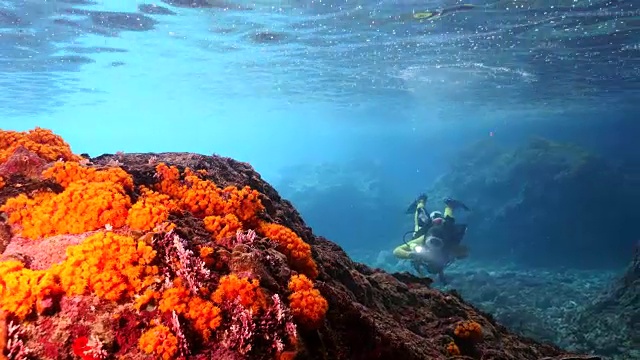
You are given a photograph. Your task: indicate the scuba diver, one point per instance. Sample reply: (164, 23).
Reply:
(434, 14)
(436, 238)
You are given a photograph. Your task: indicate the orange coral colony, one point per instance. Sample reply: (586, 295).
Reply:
(132, 256)
(468, 330)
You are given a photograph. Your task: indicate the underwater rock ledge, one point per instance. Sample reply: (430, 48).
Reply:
(535, 202)
(181, 272)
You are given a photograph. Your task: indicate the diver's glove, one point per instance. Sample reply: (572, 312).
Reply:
(455, 204)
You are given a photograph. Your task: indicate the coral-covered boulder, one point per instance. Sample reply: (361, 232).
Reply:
(544, 203)
(186, 256)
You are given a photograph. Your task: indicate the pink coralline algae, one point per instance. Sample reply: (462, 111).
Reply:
(183, 262)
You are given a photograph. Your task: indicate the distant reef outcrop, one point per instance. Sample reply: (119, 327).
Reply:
(545, 204)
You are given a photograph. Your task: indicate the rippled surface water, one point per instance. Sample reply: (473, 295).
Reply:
(519, 53)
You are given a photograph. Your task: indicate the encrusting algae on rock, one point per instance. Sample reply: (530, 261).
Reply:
(130, 283)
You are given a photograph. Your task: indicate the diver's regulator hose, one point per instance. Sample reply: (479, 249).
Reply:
(404, 237)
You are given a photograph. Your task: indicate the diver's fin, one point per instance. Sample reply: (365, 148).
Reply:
(417, 266)
(460, 251)
(459, 231)
(455, 204)
(412, 208)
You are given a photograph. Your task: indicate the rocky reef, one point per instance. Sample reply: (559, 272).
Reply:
(179, 255)
(545, 204)
(611, 323)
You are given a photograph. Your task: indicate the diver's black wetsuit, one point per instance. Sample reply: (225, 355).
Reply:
(449, 232)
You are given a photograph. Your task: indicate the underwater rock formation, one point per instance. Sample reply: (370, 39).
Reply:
(544, 203)
(354, 203)
(611, 323)
(178, 255)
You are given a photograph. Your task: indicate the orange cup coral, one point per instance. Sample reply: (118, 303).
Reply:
(159, 340)
(110, 265)
(43, 142)
(222, 227)
(151, 210)
(22, 289)
(65, 173)
(453, 349)
(97, 202)
(83, 206)
(308, 306)
(290, 244)
(469, 330)
(247, 293)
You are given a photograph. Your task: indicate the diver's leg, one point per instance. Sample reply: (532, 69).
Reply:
(449, 225)
(404, 251)
(448, 214)
(455, 232)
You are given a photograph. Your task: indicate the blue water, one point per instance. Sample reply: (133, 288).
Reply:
(351, 108)
(297, 86)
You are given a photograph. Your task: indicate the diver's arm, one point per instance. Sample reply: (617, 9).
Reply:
(407, 250)
(448, 213)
